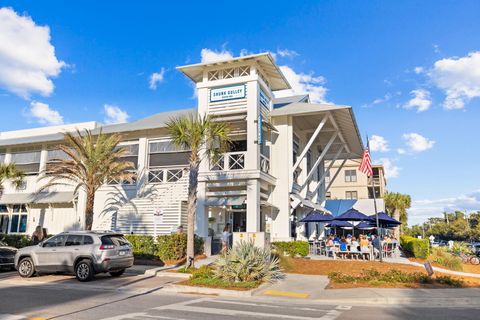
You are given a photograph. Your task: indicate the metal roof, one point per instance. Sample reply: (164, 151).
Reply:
(283, 101)
(41, 198)
(265, 60)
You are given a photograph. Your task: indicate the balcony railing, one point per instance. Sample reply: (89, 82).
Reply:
(229, 161)
(264, 164)
(165, 175)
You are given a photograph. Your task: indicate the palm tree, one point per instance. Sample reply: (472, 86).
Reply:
(90, 162)
(204, 138)
(397, 205)
(10, 172)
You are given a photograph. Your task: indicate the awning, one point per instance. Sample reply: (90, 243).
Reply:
(44, 197)
(225, 201)
(309, 204)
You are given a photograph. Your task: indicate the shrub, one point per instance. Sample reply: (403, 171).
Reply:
(142, 245)
(247, 262)
(419, 248)
(174, 246)
(392, 276)
(461, 247)
(16, 240)
(291, 248)
(446, 259)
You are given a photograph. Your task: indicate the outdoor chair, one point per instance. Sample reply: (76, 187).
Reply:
(388, 250)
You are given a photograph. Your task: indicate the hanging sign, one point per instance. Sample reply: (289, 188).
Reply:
(158, 216)
(227, 93)
(264, 100)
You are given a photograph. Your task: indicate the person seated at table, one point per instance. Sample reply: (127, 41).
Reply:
(343, 240)
(343, 248)
(364, 243)
(336, 239)
(329, 242)
(354, 245)
(349, 238)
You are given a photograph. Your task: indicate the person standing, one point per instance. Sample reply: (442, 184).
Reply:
(226, 238)
(37, 235)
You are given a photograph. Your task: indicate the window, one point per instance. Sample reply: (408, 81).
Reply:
(116, 240)
(87, 240)
(350, 175)
(238, 146)
(377, 192)
(74, 240)
(4, 219)
(130, 155)
(164, 153)
(19, 219)
(351, 195)
(328, 195)
(27, 161)
(55, 156)
(57, 241)
(327, 176)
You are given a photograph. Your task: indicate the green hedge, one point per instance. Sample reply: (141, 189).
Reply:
(167, 247)
(16, 240)
(174, 246)
(291, 248)
(419, 248)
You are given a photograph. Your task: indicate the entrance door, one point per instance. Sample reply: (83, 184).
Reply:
(239, 221)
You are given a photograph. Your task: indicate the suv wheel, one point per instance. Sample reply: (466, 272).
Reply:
(84, 271)
(26, 268)
(117, 273)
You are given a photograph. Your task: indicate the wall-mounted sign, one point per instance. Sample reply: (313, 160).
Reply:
(227, 93)
(260, 129)
(264, 99)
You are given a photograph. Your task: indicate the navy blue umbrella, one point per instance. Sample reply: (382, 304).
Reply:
(384, 219)
(365, 225)
(317, 216)
(352, 215)
(339, 224)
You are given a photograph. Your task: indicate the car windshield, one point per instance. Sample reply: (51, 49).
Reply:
(117, 240)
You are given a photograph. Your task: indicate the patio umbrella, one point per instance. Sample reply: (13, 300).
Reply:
(352, 215)
(384, 218)
(365, 225)
(339, 224)
(317, 216)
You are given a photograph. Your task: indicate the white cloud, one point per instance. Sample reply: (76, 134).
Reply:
(419, 70)
(401, 151)
(113, 114)
(43, 114)
(417, 142)
(426, 208)
(420, 100)
(156, 78)
(209, 55)
(27, 58)
(286, 53)
(391, 170)
(379, 143)
(459, 78)
(303, 83)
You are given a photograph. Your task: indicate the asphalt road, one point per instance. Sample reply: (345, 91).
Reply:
(139, 297)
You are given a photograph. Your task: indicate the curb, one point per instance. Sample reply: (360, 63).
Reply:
(177, 288)
(446, 302)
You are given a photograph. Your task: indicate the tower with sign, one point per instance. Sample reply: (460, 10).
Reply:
(237, 188)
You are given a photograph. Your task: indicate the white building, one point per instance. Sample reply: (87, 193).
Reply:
(274, 173)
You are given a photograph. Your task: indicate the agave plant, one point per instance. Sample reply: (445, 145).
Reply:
(247, 262)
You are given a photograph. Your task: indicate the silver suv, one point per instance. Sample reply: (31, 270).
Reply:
(81, 253)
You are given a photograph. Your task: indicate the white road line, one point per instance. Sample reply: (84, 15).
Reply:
(267, 305)
(226, 312)
(140, 315)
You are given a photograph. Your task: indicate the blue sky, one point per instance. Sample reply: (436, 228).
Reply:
(410, 69)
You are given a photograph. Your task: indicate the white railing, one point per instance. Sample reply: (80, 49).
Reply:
(264, 164)
(165, 175)
(229, 161)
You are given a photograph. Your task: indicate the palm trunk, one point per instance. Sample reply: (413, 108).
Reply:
(396, 230)
(191, 210)
(89, 210)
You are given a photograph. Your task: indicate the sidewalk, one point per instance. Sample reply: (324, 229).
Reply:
(307, 287)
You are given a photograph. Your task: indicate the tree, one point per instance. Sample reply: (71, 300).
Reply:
(10, 172)
(204, 137)
(397, 205)
(90, 162)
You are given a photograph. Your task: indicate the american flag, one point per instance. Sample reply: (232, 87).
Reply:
(366, 165)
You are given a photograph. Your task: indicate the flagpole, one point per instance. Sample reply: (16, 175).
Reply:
(380, 247)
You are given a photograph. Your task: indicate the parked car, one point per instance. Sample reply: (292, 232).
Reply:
(7, 256)
(83, 254)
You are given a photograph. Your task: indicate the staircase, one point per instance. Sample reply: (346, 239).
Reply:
(137, 215)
